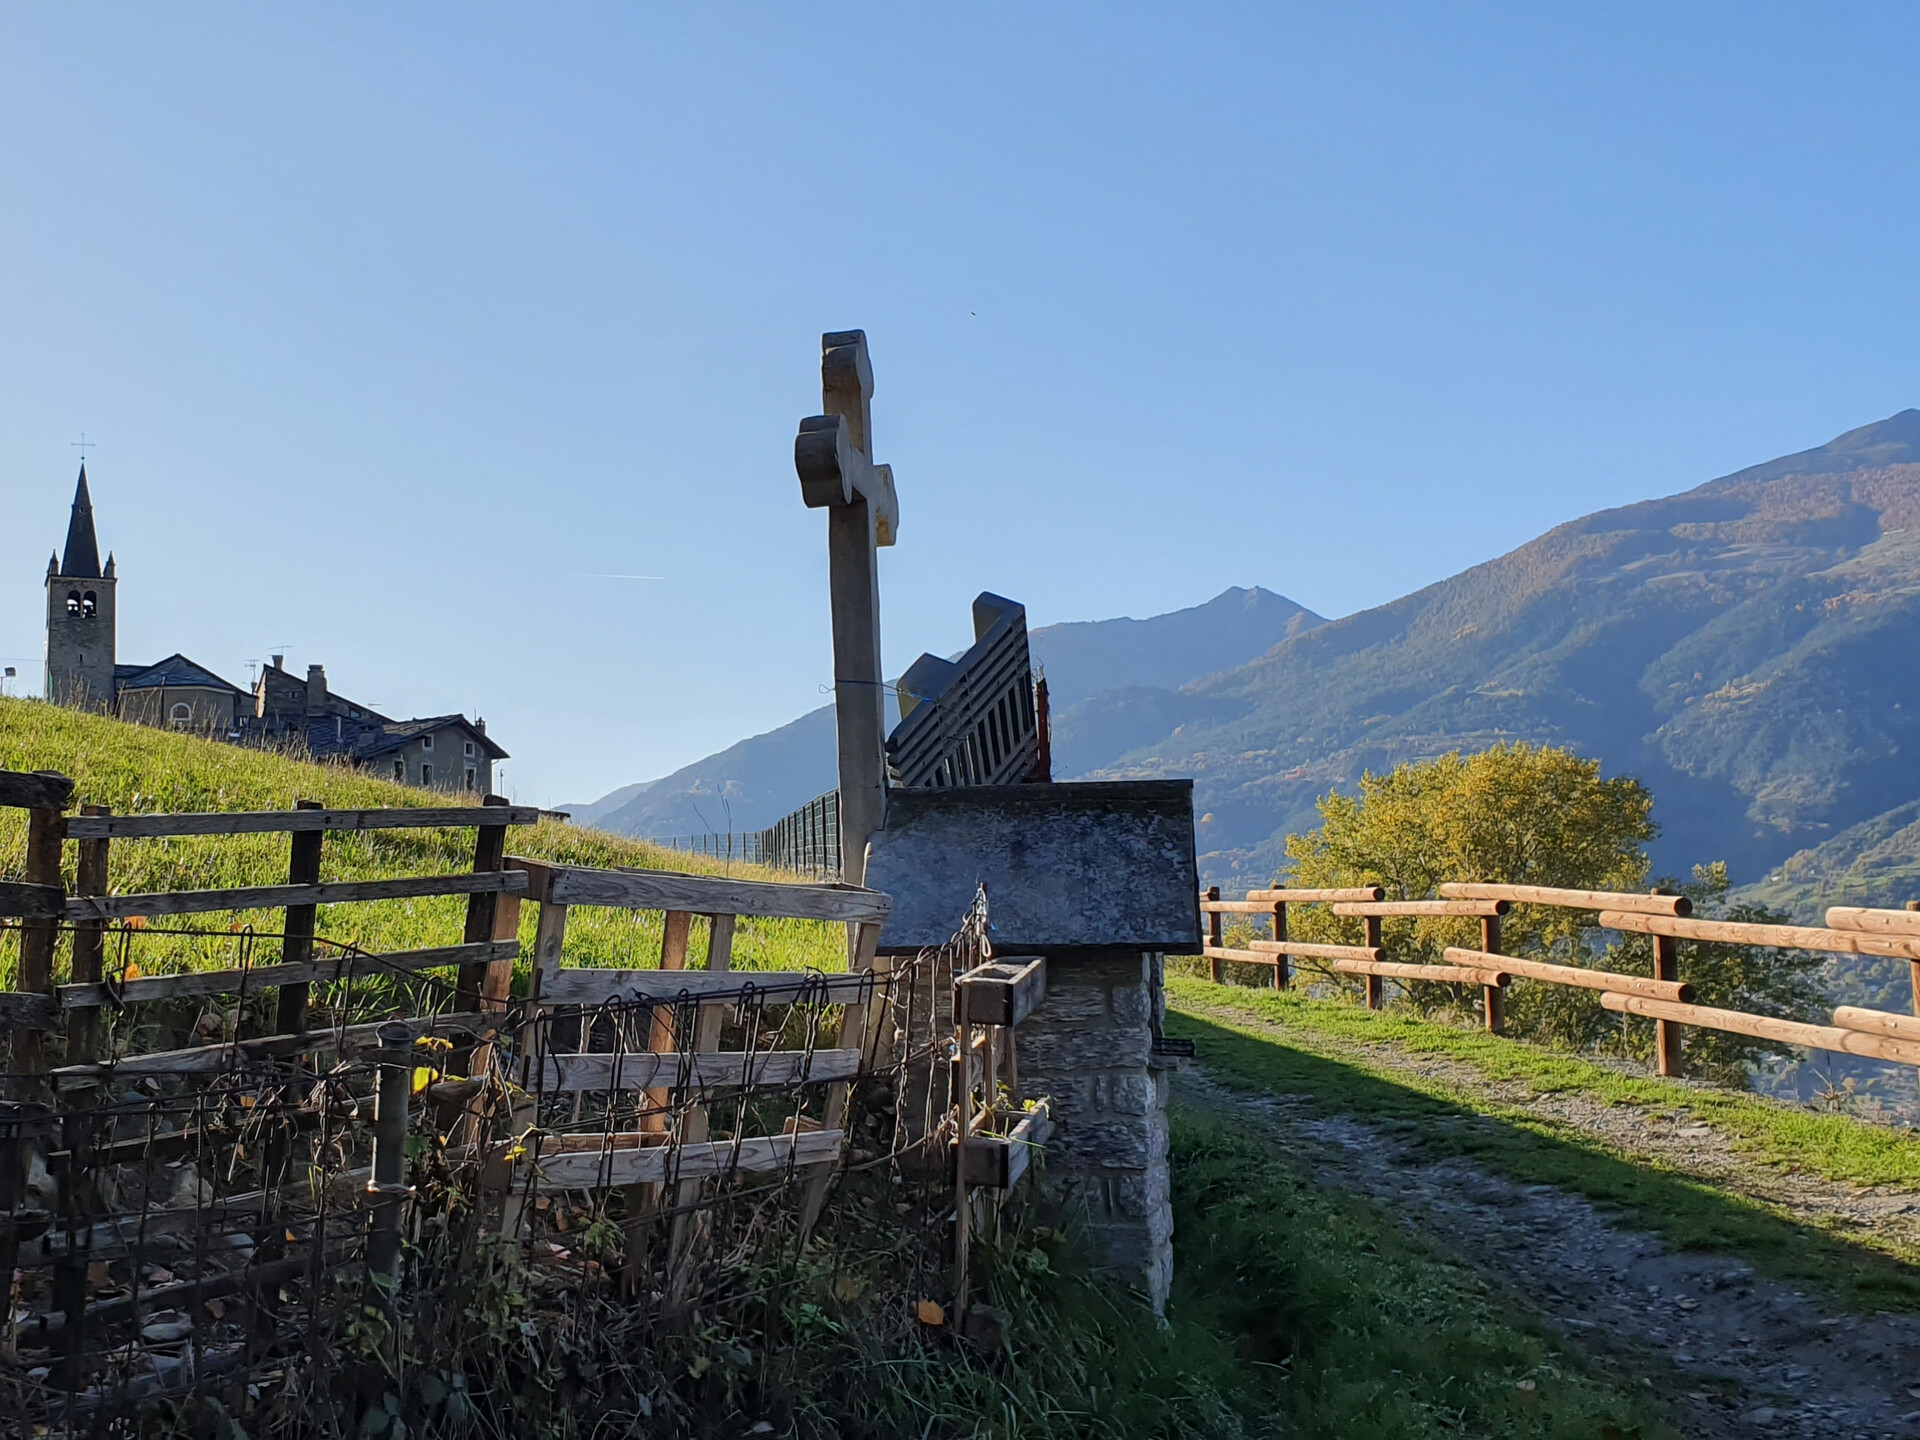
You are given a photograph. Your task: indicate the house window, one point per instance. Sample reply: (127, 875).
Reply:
(470, 776)
(426, 773)
(400, 770)
(426, 742)
(469, 749)
(179, 715)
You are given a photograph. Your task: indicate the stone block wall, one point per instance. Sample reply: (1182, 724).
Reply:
(1090, 1048)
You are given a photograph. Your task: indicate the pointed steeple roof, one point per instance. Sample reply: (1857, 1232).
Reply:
(82, 555)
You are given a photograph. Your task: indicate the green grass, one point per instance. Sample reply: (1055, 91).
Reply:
(132, 768)
(1296, 1312)
(1313, 1050)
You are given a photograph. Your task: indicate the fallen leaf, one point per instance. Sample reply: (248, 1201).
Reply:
(1523, 1385)
(930, 1312)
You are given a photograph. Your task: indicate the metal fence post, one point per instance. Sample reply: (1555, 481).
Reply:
(389, 1182)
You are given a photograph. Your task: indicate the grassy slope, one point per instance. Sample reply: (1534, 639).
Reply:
(1311, 1049)
(132, 768)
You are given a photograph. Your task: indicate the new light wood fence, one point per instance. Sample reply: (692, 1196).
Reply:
(1665, 997)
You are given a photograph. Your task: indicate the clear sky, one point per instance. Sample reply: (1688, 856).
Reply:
(401, 328)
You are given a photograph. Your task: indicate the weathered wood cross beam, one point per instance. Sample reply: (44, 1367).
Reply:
(833, 454)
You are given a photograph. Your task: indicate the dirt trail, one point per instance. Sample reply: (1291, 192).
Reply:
(1732, 1353)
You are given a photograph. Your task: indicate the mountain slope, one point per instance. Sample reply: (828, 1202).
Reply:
(1739, 647)
(760, 779)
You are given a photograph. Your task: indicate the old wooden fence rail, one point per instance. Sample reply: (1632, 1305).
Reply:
(161, 1205)
(1665, 997)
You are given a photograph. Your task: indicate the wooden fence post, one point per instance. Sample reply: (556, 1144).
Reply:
(46, 830)
(1913, 967)
(1666, 1033)
(1216, 936)
(489, 853)
(1280, 967)
(303, 868)
(683, 1237)
(1495, 998)
(1376, 986)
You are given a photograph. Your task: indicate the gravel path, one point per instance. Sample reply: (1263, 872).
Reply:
(1730, 1352)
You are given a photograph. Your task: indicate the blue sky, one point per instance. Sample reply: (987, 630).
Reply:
(398, 328)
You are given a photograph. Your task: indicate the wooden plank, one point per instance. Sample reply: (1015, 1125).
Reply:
(28, 1012)
(590, 987)
(706, 894)
(1478, 909)
(1765, 1027)
(274, 897)
(1238, 907)
(1786, 937)
(1318, 897)
(655, 1164)
(1428, 974)
(267, 822)
(1878, 1022)
(32, 902)
(355, 965)
(1571, 899)
(996, 1162)
(1305, 950)
(1228, 952)
(641, 1069)
(1902, 923)
(1005, 992)
(209, 1059)
(1676, 991)
(35, 790)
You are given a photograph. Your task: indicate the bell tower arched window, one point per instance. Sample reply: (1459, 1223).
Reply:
(73, 602)
(89, 605)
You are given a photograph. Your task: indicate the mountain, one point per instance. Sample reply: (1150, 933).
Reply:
(754, 783)
(1742, 648)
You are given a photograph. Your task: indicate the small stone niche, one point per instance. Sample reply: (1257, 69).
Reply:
(1100, 880)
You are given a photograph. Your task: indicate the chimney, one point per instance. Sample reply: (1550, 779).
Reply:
(316, 689)
(480, 724)
(279, 662)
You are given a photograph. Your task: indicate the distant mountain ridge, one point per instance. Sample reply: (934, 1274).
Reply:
(1738, 647)
(755, 782)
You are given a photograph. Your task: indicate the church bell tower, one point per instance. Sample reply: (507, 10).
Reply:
(80, 618)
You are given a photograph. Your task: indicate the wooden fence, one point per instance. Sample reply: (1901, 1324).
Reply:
(294, 1148)
(1665, 997)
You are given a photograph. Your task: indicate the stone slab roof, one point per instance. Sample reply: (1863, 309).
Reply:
(1067, 867)
(175, 671)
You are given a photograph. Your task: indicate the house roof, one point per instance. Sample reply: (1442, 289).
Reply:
(174, 671)
(331, 735)
(82, 555)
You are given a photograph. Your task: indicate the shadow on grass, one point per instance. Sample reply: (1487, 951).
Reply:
(1687, 1213)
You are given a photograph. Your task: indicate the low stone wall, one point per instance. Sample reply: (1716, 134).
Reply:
(1090, 1047)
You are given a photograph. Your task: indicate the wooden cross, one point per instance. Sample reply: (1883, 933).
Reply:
(833, 454)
